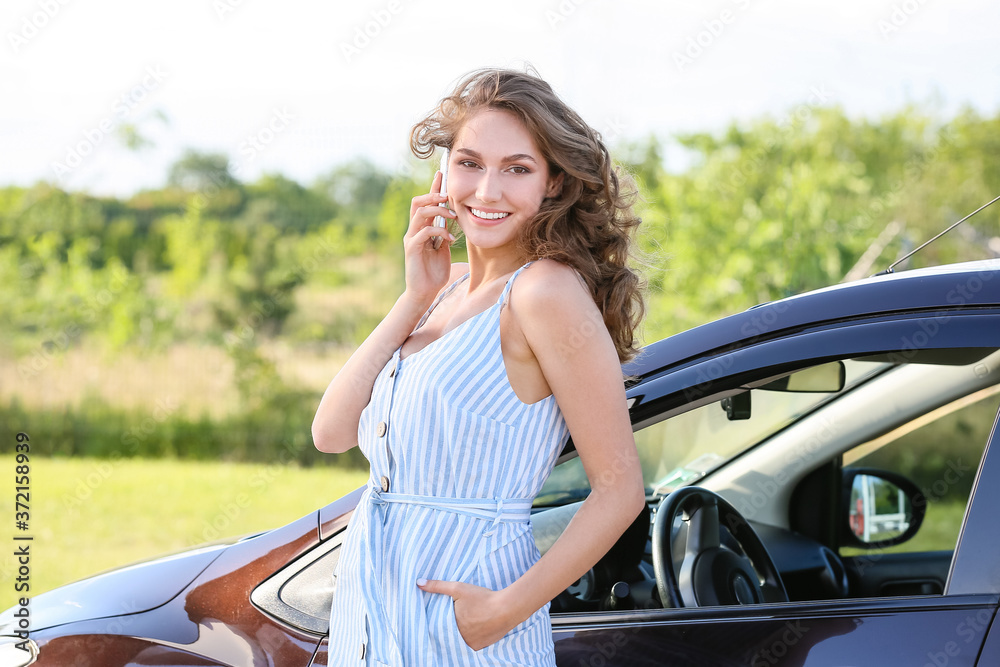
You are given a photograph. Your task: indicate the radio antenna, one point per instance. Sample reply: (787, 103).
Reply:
(927, 243)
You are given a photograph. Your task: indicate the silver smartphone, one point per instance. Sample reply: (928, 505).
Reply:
(440, 220)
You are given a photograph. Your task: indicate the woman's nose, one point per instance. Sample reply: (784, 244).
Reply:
(489, 187)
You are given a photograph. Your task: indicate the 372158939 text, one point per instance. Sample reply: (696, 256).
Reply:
(22, 539)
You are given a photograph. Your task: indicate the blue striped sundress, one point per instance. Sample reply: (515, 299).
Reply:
(456, 459)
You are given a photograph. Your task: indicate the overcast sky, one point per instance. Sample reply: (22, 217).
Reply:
(298, 87)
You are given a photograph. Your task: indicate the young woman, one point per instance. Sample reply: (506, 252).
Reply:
(463, 396)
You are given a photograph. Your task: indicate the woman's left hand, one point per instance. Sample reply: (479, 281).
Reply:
(479, 612)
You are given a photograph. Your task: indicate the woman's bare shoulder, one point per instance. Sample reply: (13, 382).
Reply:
(550, 279)
(554, 305)
(549, 288)
(458, 269)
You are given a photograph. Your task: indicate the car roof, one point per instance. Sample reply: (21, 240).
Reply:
(935, 288)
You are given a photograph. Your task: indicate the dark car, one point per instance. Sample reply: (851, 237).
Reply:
(821, 490)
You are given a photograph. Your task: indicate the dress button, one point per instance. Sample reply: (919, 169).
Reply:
(392, 372)
(385, 484)
(380, 429)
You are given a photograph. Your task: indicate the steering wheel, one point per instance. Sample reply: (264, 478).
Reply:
(711, 573)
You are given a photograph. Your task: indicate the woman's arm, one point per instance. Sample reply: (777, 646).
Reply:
(568, 338)
(335, 426)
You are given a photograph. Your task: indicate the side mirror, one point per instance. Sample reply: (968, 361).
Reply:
(879, 508)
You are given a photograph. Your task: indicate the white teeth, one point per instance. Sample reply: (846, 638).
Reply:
(488, 216)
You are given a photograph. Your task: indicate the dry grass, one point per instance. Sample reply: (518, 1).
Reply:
(198, 378)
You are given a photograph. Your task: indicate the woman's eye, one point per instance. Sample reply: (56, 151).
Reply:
(468, 163)
(517, 169)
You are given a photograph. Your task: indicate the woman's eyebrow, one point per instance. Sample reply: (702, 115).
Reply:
(510, 158)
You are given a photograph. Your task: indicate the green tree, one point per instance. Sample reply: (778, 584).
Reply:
(200, 172)
(286, 205)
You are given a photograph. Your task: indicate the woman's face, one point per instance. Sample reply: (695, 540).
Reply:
(497, 178)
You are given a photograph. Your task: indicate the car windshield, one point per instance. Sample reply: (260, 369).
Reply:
(682, 449)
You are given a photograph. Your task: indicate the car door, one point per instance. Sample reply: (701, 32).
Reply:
(873, 624)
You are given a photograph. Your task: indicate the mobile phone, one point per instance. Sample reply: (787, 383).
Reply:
(440, 220)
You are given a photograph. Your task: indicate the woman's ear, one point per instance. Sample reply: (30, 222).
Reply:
(555, 186)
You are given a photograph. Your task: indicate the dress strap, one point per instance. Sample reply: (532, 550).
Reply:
(451, 288)
(510, 282)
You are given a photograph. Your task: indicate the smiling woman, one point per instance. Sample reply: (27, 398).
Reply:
(587, 220)
(493, 191)
(438, 565)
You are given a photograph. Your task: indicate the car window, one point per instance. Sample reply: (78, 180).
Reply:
(680, 450)
(940, 452)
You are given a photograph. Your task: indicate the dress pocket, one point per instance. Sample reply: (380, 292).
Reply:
(445, 638)
(453, 621)
(507, 554)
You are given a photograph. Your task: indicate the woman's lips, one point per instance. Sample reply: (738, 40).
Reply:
(487, 216)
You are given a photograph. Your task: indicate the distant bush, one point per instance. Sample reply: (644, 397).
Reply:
(278, 431)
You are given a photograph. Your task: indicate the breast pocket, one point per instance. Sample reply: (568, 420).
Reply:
(481, 455)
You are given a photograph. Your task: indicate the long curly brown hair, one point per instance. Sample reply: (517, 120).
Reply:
(591, 224)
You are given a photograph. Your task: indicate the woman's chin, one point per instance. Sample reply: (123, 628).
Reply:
(485, 241)
(489, 233)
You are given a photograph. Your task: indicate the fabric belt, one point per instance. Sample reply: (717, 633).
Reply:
(500, 510)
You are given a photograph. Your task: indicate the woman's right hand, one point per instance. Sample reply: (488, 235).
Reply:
(427, 269)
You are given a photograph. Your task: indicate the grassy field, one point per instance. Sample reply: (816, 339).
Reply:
(89, 515)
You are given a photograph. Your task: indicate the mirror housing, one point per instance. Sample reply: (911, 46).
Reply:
(825, 378)
(879, 508)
